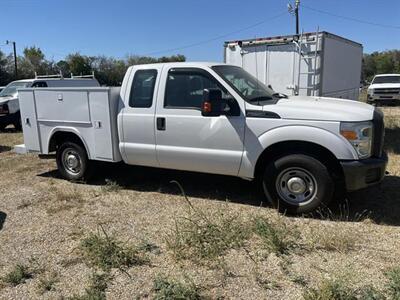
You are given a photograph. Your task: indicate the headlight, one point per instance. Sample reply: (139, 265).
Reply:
(359, 134)
(370, 91)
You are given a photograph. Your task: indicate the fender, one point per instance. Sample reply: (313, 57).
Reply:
(66, 129)
(254, 146)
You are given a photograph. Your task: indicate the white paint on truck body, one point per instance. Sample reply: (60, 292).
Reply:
(112, 130)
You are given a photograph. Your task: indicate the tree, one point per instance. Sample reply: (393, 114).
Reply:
(4, 75)
(34, 61)
(79, 64)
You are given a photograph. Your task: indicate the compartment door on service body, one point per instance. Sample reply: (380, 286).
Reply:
(185, 139)
(138, 143)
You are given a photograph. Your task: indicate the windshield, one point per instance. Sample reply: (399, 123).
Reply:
(11, 89)
(245, 84)
(387, 79)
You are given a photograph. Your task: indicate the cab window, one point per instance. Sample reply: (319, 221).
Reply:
(185, 88)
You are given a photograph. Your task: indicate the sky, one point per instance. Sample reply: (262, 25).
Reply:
(195, 28)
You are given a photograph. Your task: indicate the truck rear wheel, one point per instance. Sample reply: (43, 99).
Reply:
(298, 184)
(72, 161)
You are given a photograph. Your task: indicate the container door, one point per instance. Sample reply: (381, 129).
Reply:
(281, 67)
(29, 120)
(254, 61)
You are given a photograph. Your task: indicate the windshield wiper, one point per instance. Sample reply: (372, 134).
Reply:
(280, 95)
(261, 98)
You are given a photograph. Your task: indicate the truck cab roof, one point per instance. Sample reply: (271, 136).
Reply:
(181, 64)
(383, 75)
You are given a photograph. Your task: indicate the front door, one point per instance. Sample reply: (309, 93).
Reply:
(185, 139)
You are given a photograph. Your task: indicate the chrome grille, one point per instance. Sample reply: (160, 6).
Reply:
(386, 91)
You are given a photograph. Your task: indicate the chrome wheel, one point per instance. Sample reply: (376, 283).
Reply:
(71, 161)
(296, 186)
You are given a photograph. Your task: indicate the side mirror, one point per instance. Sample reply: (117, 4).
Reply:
(212, 103)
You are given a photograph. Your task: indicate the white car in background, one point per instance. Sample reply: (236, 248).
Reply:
(384, 89)
(2, 88)
(9, 104)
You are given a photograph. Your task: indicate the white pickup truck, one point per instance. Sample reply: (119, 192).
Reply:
(384, 89)
(212, 118)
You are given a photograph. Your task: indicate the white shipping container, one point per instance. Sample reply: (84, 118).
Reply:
(312, 64)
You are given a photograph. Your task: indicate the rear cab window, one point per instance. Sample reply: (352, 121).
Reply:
(142, 90)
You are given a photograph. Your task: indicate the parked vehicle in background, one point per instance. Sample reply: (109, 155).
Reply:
(312, 64)
(9, 104)
(384, 89)
(211, 118)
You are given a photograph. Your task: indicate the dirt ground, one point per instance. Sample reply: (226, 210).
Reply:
(44, 221)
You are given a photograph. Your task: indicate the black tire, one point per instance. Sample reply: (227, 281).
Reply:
(2, 127)
(298, 184)
(17, 124)
(72, 162)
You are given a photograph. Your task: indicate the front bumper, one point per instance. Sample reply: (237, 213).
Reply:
(384, 99)
(360, 174)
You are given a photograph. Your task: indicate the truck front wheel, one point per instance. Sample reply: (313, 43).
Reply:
(298, 183)
(72, 161)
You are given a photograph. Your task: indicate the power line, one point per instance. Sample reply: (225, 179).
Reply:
(217, 37)
(351, 19)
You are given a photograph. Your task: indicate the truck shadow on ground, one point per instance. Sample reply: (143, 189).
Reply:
(5, 148)
(380, 204)
(3, 217)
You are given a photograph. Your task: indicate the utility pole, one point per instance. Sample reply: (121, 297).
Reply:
(15, 57)
(295, 11)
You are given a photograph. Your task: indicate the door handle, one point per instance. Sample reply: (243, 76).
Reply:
(160, 123)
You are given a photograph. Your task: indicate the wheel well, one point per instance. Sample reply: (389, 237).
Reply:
(299, 147)
(60, 137)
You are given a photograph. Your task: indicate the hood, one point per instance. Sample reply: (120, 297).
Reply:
(322, 109)
(384, 86)
(6, 98)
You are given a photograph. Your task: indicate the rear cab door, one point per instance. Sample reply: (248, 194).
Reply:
(138, 143)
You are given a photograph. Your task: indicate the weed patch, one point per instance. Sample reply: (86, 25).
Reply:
(165, 289)
(111, 186)
(340, 290)
(199, 236)
(277, 238)
(333, 239)
(331, 290)
(97, 288)
(18, 275)
(394, 282)
(46, 284)
(106, 252)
